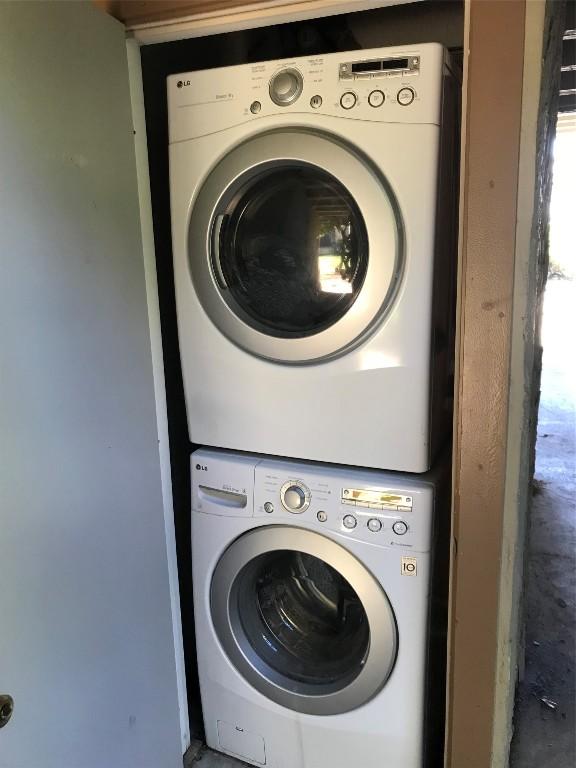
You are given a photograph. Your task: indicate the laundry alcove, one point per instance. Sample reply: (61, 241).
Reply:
(95, 488)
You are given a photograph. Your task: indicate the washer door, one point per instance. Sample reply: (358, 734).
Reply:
(302, 620)
(295, 246)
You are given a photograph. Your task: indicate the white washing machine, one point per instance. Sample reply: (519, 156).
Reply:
(311, 203)
(311, 598)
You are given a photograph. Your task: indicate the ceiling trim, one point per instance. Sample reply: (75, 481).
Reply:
(259, 14)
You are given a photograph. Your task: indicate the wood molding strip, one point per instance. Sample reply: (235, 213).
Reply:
(134, 13)
(490, 164)
(210, 18)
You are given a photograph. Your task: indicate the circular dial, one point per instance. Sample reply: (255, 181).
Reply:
(295, 497)
(286, 87)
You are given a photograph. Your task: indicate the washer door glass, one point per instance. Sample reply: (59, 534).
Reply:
(303, 620)
(292, 249)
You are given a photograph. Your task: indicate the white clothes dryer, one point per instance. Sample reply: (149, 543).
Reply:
(310, 207)
(311, 599)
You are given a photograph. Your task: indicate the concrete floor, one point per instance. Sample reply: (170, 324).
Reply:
(545, 730)
(206, 758)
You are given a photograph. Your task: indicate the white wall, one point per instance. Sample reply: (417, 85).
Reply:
(86, 645)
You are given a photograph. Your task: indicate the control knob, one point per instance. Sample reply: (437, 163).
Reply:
(285, 87)
(295, 497)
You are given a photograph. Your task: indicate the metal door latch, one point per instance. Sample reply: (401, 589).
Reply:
(6, 708)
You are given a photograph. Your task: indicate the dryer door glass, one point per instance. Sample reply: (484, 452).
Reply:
(292, 249)
(303, 620)
(296, 246)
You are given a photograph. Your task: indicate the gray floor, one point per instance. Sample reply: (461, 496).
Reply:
(545, 715)
(209, 759)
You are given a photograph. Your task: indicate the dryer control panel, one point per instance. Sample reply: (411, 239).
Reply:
(400, 85)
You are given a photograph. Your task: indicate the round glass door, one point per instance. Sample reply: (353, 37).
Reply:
(296, 246)
(302, 620)
(292, 250)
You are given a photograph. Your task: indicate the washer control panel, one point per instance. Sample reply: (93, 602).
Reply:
(381, 508)
(368, 505)
(378, 85)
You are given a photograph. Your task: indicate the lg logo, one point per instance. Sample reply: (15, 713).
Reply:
(182, 83)
(201, 467)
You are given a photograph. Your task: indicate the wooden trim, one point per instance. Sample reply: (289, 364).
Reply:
(135, 12)
(490, 168)
(226, 16)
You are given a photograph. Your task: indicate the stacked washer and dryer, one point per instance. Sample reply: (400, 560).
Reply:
(312, 210)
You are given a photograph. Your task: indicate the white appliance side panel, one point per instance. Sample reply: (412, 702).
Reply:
(369, 407)
(86, 644)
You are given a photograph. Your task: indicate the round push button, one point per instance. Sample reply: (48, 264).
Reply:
(286, 87)
(400, 528)
(405, 96)
(374, 525)
(349, 521)
(322, 516)
(315, 102)
(376, 98)
(255, 107)
(268, 507)
(348, 100)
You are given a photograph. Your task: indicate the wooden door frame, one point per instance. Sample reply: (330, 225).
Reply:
(492, 114)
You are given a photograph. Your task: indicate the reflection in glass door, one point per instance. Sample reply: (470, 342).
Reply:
(292, 251)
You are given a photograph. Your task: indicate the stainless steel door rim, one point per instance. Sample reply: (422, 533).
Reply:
(281, 688)
(373, 197)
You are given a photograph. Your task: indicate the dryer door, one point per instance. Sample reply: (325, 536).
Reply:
(302, 620)
(295, 246)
